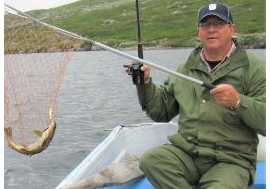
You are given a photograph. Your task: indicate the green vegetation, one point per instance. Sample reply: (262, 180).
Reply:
(165, 23)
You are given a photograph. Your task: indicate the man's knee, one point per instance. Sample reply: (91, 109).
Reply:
(225, 176)
(149, 159)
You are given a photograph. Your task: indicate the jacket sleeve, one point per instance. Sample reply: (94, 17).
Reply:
(161, 105)
(252, 109)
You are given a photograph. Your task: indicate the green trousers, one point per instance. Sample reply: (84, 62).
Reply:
(168, 167)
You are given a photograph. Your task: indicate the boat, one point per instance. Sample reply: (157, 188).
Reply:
(132, 141)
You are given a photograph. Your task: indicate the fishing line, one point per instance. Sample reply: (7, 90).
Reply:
(105, 47)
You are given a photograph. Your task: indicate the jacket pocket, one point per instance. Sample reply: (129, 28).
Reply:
(179, 141)
(231, 118)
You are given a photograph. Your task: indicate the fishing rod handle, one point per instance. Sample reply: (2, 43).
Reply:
(140, 50)
(208, 86)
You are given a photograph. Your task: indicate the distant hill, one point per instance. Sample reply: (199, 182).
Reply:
(164, 23)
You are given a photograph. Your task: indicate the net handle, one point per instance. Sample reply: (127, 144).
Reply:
(105, 47)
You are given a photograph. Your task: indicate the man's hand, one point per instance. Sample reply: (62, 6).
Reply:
(144, 68)
(226, 95)
(146, 71)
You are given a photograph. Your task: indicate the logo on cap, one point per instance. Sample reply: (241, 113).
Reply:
(212, 6)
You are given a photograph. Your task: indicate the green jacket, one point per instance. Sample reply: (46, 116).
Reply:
(206, 128)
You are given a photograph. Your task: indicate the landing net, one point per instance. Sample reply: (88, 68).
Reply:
(35, 58)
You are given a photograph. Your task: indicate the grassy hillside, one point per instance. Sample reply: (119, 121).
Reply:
(166, 23)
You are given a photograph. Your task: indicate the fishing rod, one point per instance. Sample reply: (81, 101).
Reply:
(141, 85)
(134, 70)
(123, 54)
(140, 47)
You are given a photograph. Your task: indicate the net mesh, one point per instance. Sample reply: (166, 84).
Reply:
(35, 58)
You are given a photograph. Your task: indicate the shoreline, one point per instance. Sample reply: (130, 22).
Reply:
(79, 47)
(251, 41)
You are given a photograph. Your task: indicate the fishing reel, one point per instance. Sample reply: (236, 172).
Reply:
(135, 71)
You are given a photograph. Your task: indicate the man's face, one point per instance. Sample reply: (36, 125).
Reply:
(215, 34)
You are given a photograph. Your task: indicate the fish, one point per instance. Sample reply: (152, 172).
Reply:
(41, 144)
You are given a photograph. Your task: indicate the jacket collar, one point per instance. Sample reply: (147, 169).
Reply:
(237, 59)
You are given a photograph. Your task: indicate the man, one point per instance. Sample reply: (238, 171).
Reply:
(216, 145)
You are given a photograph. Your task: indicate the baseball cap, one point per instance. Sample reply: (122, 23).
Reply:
(216, 9)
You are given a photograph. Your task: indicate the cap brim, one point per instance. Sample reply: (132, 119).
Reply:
(214, 14)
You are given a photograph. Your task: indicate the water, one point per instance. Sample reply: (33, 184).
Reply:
(95, 96)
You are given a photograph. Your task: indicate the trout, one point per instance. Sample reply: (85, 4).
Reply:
(42, 143)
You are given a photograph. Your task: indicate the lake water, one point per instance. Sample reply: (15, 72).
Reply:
(95, 96)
